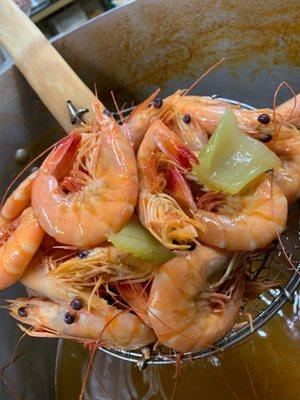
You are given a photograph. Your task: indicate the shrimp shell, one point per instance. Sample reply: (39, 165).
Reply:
(180, 304)
(103, 169)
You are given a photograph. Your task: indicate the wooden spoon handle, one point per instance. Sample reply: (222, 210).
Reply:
(43, 67)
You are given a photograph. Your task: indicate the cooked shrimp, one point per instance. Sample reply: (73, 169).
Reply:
(206, 113)
(186, 309)
(255, 220)
(108, 326)
(136, 296)
(63, 277)
(39, 282)
(287, 147)
(19, 199)
(154, 108)
(290, 111)
(144, 115)
(246, 222)
(20, 240)
(159, 212)
(87, 187)
(198, 116)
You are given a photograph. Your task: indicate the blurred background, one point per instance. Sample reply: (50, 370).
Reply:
(57, 17)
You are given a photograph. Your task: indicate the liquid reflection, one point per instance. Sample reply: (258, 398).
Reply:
(266, 367)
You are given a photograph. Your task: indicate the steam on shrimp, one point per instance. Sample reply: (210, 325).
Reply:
(189, 306)
(20, 234)
(87, 187)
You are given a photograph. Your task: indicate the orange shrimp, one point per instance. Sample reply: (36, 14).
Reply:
(20, 240)
(87, 187)
(257, 218)
(136, 296)
(206, 113)
(20, 234)
(65, 277)
(287, 147)
(106, 326)
(195, 117)
(246, 222)
(19, 199)
(160, 213)
(186, 309)
(142, 116)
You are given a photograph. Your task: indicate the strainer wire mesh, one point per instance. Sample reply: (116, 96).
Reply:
(262, 308)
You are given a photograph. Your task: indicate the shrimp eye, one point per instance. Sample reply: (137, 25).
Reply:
(107, 112)
(264, 119)
(192, 246)
(158, 102)
(83, 254)
(186, 118)
(69, 318)
(22, 311)
(266, 138)
(76, 304)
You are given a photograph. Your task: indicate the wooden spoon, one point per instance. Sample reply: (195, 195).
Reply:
(46, 71)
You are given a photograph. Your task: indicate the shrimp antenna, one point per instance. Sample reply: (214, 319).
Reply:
(278, 127)
(286, 255)
(93, 352)
(277, 130)
(121, 116)
(280, 86)
(95, 90)
(185, 92)
(203, 76)
(251, 380)
(225, 380)
(14, 357)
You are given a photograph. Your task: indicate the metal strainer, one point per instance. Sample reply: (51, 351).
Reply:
(272, 266)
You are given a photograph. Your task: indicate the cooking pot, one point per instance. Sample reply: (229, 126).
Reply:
(132, 50)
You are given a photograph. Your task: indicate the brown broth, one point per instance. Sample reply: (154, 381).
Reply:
(264, 368)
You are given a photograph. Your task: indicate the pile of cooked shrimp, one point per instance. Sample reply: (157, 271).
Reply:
(60, 226)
